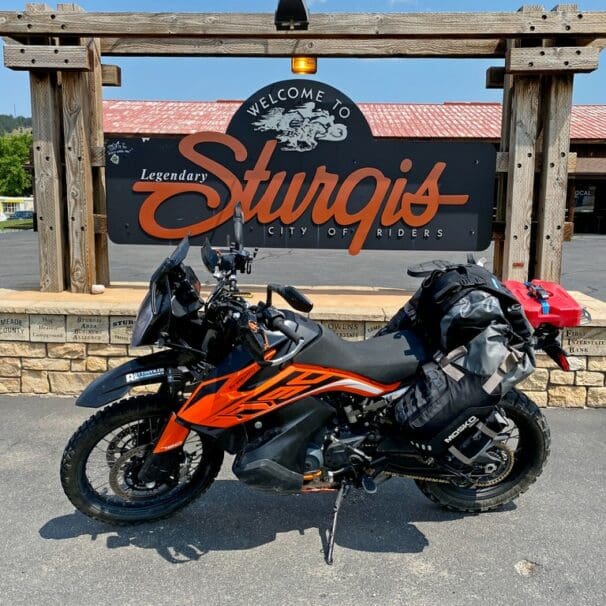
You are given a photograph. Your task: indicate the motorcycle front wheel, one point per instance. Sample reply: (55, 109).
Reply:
(523, 453)
(101, 462)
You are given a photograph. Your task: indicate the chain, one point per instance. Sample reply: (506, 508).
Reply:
(485, 484)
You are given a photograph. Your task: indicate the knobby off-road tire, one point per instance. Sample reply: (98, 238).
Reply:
(536, 441)
(80, 492)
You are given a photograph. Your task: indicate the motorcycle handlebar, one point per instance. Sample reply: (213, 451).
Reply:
(279, 324)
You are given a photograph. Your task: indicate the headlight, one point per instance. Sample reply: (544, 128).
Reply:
(143, 323)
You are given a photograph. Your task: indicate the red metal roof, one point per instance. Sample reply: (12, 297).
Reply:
(417, 120)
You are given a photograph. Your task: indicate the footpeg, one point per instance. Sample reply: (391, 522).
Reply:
(369, 485)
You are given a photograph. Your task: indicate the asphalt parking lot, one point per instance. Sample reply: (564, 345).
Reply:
(237, 546)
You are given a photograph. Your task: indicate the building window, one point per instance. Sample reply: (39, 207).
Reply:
(584, 199)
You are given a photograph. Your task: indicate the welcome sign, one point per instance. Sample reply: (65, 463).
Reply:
(300, 158)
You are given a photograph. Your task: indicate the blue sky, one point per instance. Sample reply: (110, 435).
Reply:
(388, 80)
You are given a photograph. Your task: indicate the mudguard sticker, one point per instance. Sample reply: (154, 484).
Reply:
(142, 375)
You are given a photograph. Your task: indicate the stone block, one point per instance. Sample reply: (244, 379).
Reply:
(371, 328)
(47, 328)
(115, 362)
(537, 381)
(10, 385)
(121, 329)
(587, 340)
(88, 329)
(577, 362)
(14, 327)
(574, 397)
(34, 381)
(10, 367)
(561, 377)
(67, 383)
(593, 379)
(352, 331)
(22, 350)
(544, 361)
(596, 363)
(596, 397)
(72, 351)
(78, 365)
(107, 350)
(96, 364)
(46, 364)
(538, 397)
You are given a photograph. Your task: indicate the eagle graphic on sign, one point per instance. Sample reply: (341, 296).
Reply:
(301, 128)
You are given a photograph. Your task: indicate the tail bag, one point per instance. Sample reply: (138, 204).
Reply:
(481, 341)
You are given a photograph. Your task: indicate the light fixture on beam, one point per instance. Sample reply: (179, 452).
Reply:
(291, 14)
(303, 65)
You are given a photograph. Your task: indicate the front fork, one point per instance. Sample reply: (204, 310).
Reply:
(160, 463)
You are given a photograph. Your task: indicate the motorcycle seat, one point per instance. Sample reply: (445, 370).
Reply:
(385, 359)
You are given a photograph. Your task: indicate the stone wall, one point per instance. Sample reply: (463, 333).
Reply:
(61, 354)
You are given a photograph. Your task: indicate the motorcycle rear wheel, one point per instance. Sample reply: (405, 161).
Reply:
(529, 460)
(120, 435)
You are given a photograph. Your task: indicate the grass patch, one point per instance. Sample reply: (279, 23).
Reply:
(16, 224)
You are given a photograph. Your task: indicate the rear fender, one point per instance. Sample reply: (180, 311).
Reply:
(113, 384)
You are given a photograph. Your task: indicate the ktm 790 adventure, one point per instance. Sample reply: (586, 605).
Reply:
(301, 409)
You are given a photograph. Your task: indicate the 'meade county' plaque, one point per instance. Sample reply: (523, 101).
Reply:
(300, 158)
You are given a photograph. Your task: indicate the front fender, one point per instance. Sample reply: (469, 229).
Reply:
(141, 371)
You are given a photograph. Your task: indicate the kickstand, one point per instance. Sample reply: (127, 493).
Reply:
(330, 547)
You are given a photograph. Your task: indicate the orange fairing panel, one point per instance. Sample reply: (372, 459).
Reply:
(221, 402)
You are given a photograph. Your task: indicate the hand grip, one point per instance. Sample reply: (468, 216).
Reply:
(279, 324)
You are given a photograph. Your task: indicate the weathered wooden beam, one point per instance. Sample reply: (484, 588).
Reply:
(552, 59)
(520, 184)
(100, 222)
(46, 130)
(36, 57)
(495, 77)
(111, 75)
(503, 162)
(335, 25)
(278, 47)
(78, 176)
(95, 93)
(551, 209)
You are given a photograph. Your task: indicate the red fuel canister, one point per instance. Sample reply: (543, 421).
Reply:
(558, 309)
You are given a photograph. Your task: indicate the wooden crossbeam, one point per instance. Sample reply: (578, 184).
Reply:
(35, 56)
(111, 75)
(335, 25)
(552, 59)
(320, 47)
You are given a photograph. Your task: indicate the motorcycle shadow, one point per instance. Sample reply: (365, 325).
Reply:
(232, 516)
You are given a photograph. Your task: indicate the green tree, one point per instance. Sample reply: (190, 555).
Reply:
(14, 153)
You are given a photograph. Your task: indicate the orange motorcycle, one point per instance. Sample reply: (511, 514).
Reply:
(301, 409)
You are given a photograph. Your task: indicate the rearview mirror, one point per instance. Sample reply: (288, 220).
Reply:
(295, 298)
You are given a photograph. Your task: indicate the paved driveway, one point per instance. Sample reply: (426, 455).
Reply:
(237, 546)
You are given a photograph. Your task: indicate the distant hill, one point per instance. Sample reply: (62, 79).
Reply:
(10, 123)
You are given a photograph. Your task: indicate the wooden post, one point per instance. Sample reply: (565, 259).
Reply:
(78, 175)
(46, 132)
(501, 205)
(554, 178)
(520, 185)
(95, 93)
